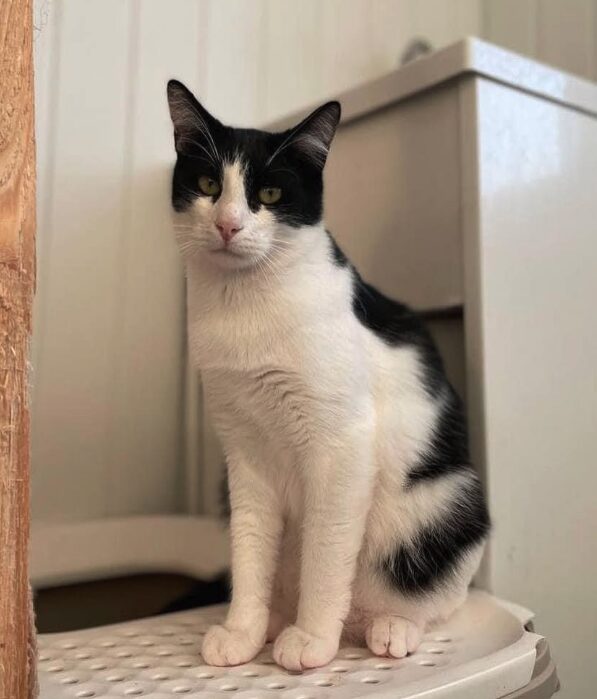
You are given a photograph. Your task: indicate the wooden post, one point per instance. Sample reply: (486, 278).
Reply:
(17, 280)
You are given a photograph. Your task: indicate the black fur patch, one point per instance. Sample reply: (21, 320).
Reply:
(448, 451)
(425, 563)
(340, 258)
(394, 323)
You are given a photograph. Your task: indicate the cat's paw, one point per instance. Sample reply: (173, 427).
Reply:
(392, 635)
(298, 650)
(222, 646)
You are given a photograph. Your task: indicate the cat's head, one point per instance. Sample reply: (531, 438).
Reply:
(243, 195)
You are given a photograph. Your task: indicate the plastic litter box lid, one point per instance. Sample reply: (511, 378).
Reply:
(483, 651)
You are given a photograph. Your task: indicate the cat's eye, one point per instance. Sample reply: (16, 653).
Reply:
(270, 195)
(209, 186)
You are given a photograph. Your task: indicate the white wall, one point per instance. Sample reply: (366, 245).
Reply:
(560, 32)
(108, 319)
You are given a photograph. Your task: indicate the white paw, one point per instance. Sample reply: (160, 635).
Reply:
(393, 635)
(222, 646)
(298, 650)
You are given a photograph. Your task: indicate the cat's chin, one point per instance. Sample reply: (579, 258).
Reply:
(233, 259)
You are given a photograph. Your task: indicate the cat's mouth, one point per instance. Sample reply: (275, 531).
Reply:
(228, 252)
(231, 258)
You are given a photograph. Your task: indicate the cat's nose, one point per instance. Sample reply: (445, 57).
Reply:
(228, 228)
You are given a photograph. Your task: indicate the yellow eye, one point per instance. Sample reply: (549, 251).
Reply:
(209, 186)
(270, 195)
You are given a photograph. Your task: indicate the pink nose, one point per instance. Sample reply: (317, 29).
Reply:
(228, 228)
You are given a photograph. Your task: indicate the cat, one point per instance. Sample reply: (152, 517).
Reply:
(355, 511)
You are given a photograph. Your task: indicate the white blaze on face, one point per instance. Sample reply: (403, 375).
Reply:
(232, 208)
(229, 224)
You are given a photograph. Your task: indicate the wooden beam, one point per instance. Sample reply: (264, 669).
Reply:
(17, 280)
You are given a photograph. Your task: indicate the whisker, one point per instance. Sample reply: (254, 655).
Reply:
(210, 156)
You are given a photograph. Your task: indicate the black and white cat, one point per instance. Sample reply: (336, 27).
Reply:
(355, 509)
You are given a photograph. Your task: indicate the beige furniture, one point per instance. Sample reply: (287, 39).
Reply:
(466, 184)
(483, 652)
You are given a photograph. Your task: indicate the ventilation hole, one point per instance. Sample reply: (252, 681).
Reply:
(383, 666)
(370, 680)
(139, 665)
(339, 668)
(107, 644)
(56, 668)
(426, 663)
(123, 654)
(354, 656)
(68, 645)
(98, 666)
(250, 673)
(229, 687)
(165, 653)
(276, 685)
(130, 634)
(184, 663)
(186, 642)
(443, 639)
(323, 683)
(160, 676)
(436, 651)
(147, 643)
(133, 692)
(69, 680)
(86, 693)
(116, 678)
(82, 656)
(204, 676)
(181, 690)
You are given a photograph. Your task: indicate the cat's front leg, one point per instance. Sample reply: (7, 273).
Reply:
(337, 486)
(255, 527)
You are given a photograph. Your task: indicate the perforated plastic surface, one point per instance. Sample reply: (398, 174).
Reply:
(482, 652)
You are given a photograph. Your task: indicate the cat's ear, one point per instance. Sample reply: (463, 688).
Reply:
(312, 138)
(189, 117)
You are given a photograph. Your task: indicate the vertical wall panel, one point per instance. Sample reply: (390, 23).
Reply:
(294, 55)
(440, 22)
(512, 24)
(565, 34)
(146, 460)
(83, 227)
(347, 56)
(109, 320)
(594, 44)
(45, 39)
(236, 77)
(363, 40)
